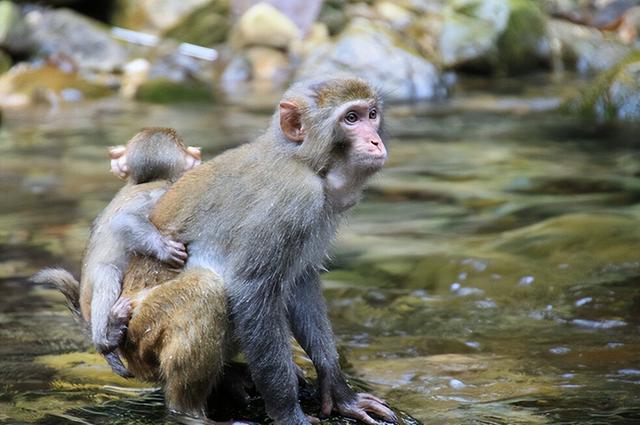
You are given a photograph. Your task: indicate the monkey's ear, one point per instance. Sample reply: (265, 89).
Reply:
(194, 157)
(116, 152)
(119, 161)
(290, 121)
(194, 151)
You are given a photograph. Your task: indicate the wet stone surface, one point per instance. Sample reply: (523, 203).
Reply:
(489, 276)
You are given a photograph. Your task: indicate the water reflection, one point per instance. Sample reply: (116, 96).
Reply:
(489, 277)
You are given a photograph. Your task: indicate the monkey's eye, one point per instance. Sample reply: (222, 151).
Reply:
(351, 117)
(373, 114)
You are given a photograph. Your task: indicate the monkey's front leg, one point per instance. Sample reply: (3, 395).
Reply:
(311, 327)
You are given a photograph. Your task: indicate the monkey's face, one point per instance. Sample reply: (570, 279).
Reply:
(359, 122)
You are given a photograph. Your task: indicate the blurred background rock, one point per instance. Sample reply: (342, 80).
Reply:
(167, 50)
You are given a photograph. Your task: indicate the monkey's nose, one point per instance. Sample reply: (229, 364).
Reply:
(375, 142)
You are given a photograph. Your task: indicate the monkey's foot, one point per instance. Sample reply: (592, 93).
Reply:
(313, 420)
(363, 405)
(113, 359)
(117, 326)
(235, 383)
(171, 252)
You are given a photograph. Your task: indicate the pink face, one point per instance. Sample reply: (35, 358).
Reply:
(360, 121)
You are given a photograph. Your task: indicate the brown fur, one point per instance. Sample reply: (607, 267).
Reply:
(165, 344)
(330, 95)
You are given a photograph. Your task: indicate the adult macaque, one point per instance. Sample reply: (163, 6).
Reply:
(258, 220)
(152, 160)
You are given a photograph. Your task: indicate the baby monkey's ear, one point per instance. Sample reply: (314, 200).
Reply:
(118, 156)
(194, 158)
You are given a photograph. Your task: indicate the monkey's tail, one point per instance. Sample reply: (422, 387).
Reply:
(70, 288)
(68, 285)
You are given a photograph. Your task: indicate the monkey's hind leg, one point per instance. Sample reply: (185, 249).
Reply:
(182, 325)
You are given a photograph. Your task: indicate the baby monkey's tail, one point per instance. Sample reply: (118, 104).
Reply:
(68, 285)
(70, 288)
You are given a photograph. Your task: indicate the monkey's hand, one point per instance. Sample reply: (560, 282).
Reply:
(172, 252)
(360, 409)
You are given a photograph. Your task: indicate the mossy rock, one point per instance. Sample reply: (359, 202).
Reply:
(26, 84)
(333, 16)
(614, 95)
(205, 26)
(162, 90)
(518, 45)
(5, 62)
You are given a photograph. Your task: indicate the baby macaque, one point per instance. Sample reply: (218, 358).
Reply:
(150, 162)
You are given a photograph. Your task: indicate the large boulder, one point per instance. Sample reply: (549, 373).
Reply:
(28, 84)
(206, 25)
(471, 29)
(372, 51)
(14, 34)
(507, 36)
(167, 75)
(303, 13)
(64, 32)
(155, 16)
(586, 49)
(599, 14)
(523, 44)
(264, 25)
(262, 39)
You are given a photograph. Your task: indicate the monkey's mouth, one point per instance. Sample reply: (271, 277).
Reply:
(374, 160)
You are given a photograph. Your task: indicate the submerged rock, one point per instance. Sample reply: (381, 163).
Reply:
(89, 375)
(373, 51)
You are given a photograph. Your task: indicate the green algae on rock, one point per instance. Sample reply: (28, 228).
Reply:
(163, 90)
(614, 95)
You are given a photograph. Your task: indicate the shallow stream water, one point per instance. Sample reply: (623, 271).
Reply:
(489, 276)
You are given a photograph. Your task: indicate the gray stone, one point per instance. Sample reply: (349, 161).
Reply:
(155, 16)
(264, 25)
(14, 35)
(370, 50)
(302, 12)
(65, 32)
(615, 95)
(586, 48)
